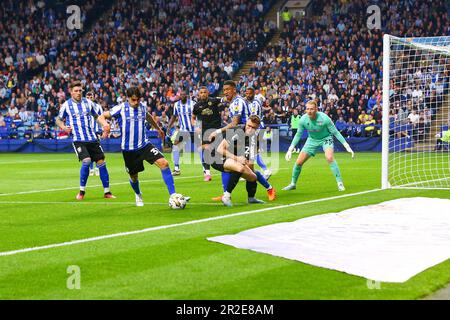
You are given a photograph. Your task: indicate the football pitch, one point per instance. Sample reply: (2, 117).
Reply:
(44, 232)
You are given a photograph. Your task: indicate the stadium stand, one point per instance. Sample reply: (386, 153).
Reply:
(171, 46)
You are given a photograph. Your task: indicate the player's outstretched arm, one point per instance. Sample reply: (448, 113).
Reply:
(62, 126)
(294, 142)
(338, 135)
(155, 125)
(105, 125)
(58, 119)
(223, 150)
(233, 124)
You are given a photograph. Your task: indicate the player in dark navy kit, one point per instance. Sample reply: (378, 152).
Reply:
(239, 150)
(80, 114)
(208, 112)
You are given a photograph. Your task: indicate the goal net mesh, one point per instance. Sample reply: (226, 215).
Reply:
(419, 136)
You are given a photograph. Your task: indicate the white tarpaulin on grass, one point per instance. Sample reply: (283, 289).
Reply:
(389, 242)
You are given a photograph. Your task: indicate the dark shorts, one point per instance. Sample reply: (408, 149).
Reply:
(91, 150)
(206, 141)
(218, 167)
(134, 160)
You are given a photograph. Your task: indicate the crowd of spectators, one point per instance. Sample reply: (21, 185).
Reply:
(165, 47)
(334, 58)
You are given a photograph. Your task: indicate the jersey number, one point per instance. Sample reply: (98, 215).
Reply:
(154, 151)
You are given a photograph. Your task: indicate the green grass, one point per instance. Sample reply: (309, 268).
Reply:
(175, 263)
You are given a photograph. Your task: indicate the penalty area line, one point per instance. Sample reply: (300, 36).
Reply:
(103, 203)
(129, 233)
(91, 186)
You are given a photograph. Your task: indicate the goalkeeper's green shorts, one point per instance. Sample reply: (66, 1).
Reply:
(312, 145)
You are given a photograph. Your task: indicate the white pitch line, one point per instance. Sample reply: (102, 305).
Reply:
(89, 187)
(123, 234)
(101, 203)
(30, 161)
(99, 185)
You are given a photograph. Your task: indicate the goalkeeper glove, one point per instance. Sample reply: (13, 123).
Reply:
(289, 153)
(347, 147)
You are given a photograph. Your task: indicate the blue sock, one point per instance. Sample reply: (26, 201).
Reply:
(260, 162)
(262, 180)
(225, 179)
(91, 166)
(104, 175)
(84, 175)
(176, 157)
(168, 180)
(135, 186)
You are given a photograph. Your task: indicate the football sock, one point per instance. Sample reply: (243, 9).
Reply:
(262, 180)
(168, 180)
(200, 154)
(104, 175)
(233, 181)
(91, 166)
(206, 166)
(135, 186)
(176, 157)
(296, 173)
(336, 172)
(251, 188)
(84, 174)
(260, 162)
(225, 178)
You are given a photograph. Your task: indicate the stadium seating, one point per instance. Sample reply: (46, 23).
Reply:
(170, 46)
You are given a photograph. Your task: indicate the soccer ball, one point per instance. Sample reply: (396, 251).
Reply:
(177, 201)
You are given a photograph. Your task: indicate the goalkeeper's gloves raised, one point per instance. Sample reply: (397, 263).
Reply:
(289, 153)
(347, 147)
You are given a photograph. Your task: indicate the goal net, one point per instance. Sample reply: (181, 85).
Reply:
(416, 136)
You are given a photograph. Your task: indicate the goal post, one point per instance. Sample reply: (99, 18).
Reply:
(416, 113)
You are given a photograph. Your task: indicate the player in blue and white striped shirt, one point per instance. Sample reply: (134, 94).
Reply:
(136, 147)
(182, 110)
(255, 108)
(240, 112)
(80, 114)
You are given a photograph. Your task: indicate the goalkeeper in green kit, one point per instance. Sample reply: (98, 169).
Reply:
(321, 130)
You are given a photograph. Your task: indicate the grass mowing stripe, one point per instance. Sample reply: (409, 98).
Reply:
(122, 234)
(104, 203)
(29, 161)
(88, 187)
(99, 185)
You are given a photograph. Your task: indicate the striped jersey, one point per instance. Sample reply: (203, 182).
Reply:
(184, 113)
(99, 110)
(256, 109)
(239, 107)
(132, 125)
(80, 117)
